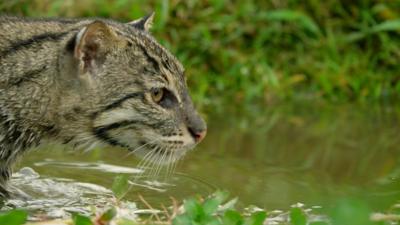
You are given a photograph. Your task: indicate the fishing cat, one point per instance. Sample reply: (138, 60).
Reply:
(91, 82)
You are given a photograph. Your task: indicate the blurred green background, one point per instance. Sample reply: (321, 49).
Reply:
(249, 51)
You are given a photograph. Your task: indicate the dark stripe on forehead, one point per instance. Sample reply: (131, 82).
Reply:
(151, 59)
(154, 62)
(167, 60)
(34, 40)
(148, 44)
(169, 63)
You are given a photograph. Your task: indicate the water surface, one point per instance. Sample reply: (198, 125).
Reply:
(268, 156)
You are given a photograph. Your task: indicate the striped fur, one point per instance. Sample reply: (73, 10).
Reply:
(90, 82)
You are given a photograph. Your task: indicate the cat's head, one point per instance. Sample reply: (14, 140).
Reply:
(140, 99)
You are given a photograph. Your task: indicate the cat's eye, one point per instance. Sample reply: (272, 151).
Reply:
(163, 97)
(157, 94)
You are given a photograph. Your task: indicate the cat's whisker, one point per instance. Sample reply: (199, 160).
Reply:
(156, 163)
(168, 158)
(170, 164)
(172, 169)
(144, 161)
(149, 161)
(158, 158)
(177, 161)
(141, 147)
(162, 158)
(173, 161)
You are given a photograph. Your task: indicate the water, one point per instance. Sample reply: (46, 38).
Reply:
(269, 156)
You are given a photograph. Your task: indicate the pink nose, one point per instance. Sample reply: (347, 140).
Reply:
(200, 136)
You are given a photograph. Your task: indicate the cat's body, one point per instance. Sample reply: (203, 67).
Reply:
(90, 82)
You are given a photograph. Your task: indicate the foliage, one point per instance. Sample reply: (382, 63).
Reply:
(81, 220)
(120, 186)
(297, 217)
(216, 211)
(351, 210)
(15, 217)
(206, 213)
(251, 50)
(108, 215)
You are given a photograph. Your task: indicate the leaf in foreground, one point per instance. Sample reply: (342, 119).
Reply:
(120, 186)
(193, 209)
(351, 212)
(14, 217)
(108, 215)
(297, 217)
(256, 218)
(232, 217)
(182, 220)
(210, 206)
(81, 220)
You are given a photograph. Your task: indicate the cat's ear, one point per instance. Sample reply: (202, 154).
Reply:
(145, 23)
(92, 44)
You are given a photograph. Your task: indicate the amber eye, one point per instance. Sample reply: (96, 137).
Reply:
(157, 94)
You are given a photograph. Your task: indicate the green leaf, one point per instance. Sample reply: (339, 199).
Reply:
(14, 217)
(351, 212)
(256, 218)
(287, 15)
(297, 217)
(210, 206)
(108, 215)
(221, 196)
(232, 218)
(81, 220)
(194, 210)
(182, 220)
(390, 25)
(120, 185)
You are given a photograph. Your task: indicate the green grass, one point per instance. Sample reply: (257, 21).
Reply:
(271, 51)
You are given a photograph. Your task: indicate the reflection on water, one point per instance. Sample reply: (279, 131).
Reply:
(271, 157)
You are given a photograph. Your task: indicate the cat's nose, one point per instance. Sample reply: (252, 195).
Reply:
(198, 134)
(196, 126)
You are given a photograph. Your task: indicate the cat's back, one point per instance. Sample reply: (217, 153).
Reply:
(18, 29)
(28, 49)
